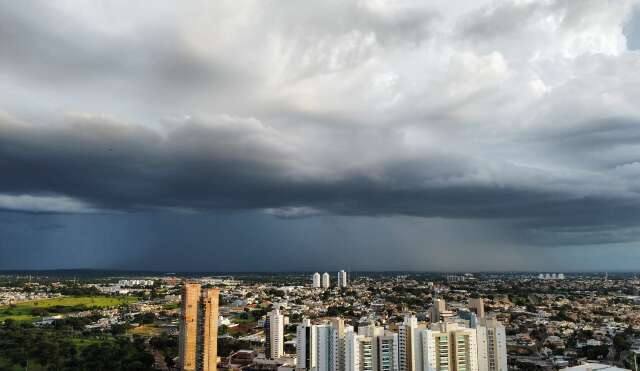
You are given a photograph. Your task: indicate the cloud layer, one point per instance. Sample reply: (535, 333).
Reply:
(519, 111)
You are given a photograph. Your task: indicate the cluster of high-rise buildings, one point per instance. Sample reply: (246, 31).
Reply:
(443, 346)
(324, 280)
(469, 341)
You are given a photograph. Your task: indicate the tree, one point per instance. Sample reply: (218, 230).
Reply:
(620, 343)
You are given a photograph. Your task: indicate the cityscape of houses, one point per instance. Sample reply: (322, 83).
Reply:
(364, 322)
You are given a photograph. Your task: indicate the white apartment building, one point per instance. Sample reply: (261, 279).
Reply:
(130, 283)
(338, 343)
(334, 347)
(325, 280)
(449, 347)
(409, 345)
(367, 361)
(306, 346)
(445, 346)
(373, 348)
(274, 342)
(351, 351)
(324, 348)
(342, 279)
(315, 280)
(386, 352)
(371, 330)
(492, 345)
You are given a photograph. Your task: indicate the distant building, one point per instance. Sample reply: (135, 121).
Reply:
(456, 278)
(315, 279)
(130, 283)
(551, 276)
(342, 279)
(325, 280)
(198, 344)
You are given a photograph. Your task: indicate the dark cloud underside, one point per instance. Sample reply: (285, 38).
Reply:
(518, 114)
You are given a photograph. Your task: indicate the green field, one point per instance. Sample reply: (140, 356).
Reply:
(146, 330)
(171, 306)
(30, 310)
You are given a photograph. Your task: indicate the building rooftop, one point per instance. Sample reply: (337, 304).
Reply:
(594, 367)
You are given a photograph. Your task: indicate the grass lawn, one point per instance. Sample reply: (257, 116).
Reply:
(241, 330)
(146, 330)
(171, 306)
(23, 311)
(244, 321)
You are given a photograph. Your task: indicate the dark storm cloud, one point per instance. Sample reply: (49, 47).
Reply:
(519, 112)
(48, 227)
(241, 164)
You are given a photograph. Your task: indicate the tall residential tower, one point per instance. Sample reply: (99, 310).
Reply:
(447, 346)
(342, 279)
(492, 345)
(325, 280)
(198, 328)
(274, 335)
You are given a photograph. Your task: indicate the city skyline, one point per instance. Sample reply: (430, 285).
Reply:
(377, 135)
(393, 322)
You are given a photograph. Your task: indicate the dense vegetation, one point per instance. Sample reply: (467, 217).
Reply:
(51, 349)
(167, 345)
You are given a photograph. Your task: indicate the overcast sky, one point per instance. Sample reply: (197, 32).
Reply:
(299, 135)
